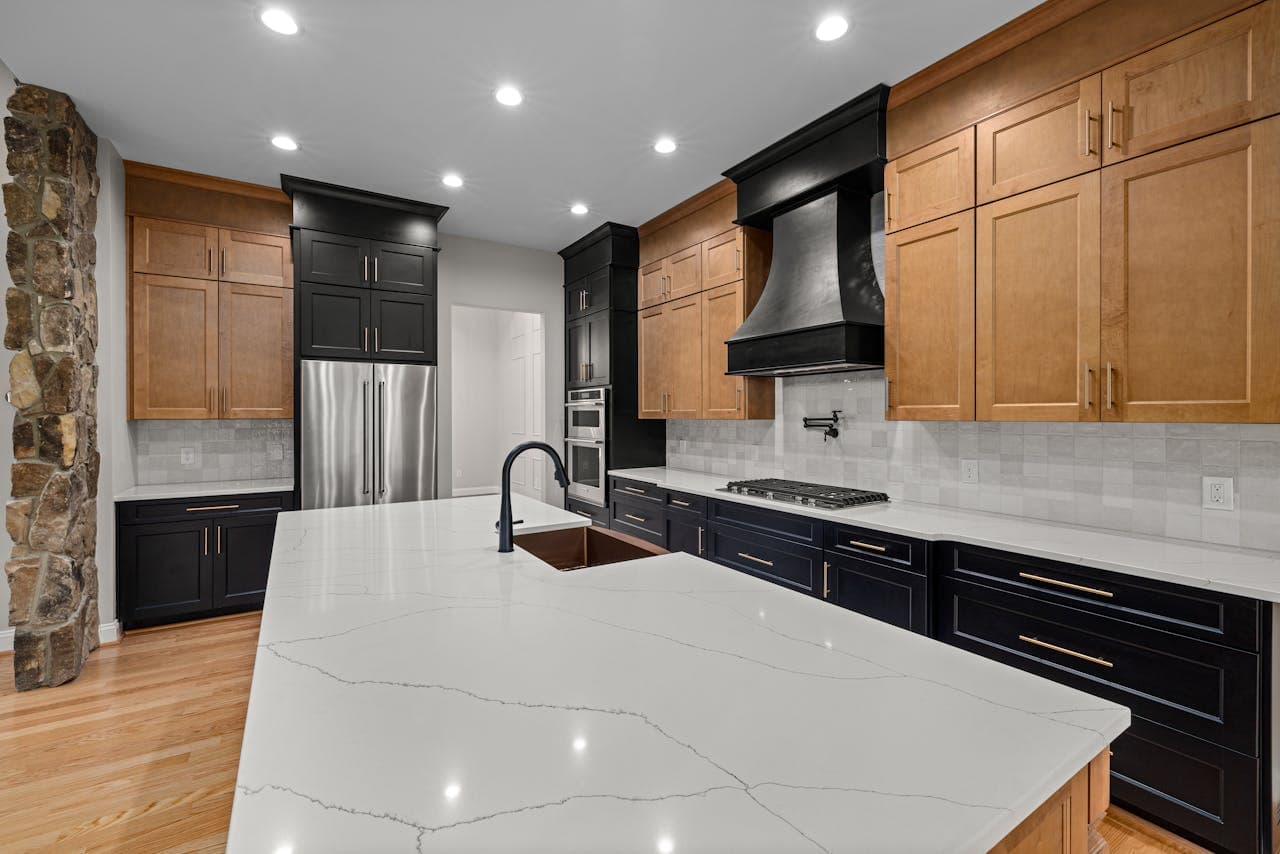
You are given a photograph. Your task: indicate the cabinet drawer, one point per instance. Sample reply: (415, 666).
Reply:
(1200, 789)
(800, 529)
(598, 515)
(640, 518)
(782, 562)
(1207, 615)
(1202, 689)
(898, 551)
(636, 489)
(205, 507)
(687, 502)
(894, 596)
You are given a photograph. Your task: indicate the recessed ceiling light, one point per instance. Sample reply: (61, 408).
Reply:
(452, 179)
(664, 145)
(508, 96)
(280, 21)
(578, 209)
(832, 28)
(284, 143)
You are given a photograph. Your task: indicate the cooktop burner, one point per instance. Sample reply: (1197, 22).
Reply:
(808, 494)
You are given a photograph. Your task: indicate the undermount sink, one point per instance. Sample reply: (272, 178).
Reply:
(576, 548)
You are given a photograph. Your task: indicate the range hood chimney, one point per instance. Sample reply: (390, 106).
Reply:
(822, 309)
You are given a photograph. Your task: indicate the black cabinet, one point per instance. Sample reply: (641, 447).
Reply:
(179, 560)
(588, 358)
(888, 594)
(400, 267)
(597, 514)
(577, 352)
(333, 259)
(686, 531)
(783, 562)
(643, 519)
(333, 322)
(606, 288)
(404, 327)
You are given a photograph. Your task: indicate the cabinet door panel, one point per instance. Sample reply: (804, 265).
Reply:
(722, 313)
(598, 349)
(334, 322)
(255, 331)
(400, 267)
(255, 259)
(890, 595)
(577, 352)
(788, 564)
(333, 259)
(685, 532)
(1042, 141)
(1215, 78)
(929, 304)
(404, 327)
(1038, 304)
(166, 248)
(1191, 280)
(589, 294)
(684, 273)
(653, 283)
(722, 259)
(165, 570)
(242, 556)
(930, 182)
(653, 362)
(684, 358)
(174, 352)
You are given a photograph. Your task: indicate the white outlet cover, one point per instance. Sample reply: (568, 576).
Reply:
(1218, 493)
(968, 471)
(188, 456)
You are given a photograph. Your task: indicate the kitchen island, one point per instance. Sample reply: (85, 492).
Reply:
(415, 690)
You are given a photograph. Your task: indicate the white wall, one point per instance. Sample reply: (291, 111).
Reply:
(477, 409)
(6, 447)
(494, 275)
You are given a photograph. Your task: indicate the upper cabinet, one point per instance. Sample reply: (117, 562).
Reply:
(400, 267)
(722, 259)
(931, 182)
(255, 259)
(166, 248)
(255, 351)
(332, 259)
(173, 353)
(1053, 137)
(1217, 77)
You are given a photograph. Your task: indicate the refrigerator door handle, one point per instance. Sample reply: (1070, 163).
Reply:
(364, 440)
(382, 480)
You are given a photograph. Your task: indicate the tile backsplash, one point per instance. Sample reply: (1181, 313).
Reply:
(1141, 478)
(218, 450)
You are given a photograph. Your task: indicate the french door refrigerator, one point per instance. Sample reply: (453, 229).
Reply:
(367, 433)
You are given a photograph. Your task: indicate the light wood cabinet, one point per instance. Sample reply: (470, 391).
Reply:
(671, 360)
(166, 248)
(724, 396)
(1048, 139)
(1038, 304)
(1191, 281)
(931, 182)
(255, 259)
(929, 305)
(1217, 77)
(684, 273)
(653, 283)
(255, 365)
(651, 335)
(174, 352)
(722, 259)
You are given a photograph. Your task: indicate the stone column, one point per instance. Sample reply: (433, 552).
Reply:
(51, 207)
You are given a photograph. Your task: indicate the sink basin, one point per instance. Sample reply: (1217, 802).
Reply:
(575, 548)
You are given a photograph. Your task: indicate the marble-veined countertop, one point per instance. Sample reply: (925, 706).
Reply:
(152, 491)
(415, 690)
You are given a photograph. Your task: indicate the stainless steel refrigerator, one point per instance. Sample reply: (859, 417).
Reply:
(368, 433)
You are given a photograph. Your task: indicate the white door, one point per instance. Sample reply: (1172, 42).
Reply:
(525, 401)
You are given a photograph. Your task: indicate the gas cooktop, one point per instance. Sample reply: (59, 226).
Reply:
(808, 494)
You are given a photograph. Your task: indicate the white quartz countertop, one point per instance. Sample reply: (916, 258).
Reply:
(1244, 572)
(415, 690)
(202, 490)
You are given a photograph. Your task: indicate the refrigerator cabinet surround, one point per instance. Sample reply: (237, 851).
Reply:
(367, 433)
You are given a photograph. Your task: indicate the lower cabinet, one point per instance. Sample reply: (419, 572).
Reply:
(182, 560)
(783, 562)
(890, 595)
(597, 514)
(685, 532)
(638, 517)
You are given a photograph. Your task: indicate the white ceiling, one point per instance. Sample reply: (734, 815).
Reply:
(387, 95)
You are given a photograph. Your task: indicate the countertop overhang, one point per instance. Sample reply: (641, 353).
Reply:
(415, 690)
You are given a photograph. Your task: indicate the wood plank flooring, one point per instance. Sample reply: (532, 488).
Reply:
(139, 754)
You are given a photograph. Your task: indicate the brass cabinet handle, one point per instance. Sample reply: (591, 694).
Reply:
(699, 541)
(1062, 649)
(758, 560)
(888, 399)
(1096, 591)
(636, 489)
(223, 262)
(214, 507)
(205, 531)
(1088, 386)
(737, 265)
(826, 588)
(635, 518)
(738, 408)
(366, 339)
(1111, 123)
(1111, 398)
(366, 268)
(1086, 148)
(219, 527)
(679, 503)
(210, 261)
(858, 544)
(888, 207)
(377, 342)
(375, 268)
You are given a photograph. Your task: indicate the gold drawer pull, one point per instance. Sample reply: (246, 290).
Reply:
(679, 503)
(1062, 649)
(635, 518)
(636, 490)
(1067, 584)
(860, 545)
(759, 560)
(215, 507)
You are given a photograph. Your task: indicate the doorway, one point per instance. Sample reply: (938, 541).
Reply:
(498, 399)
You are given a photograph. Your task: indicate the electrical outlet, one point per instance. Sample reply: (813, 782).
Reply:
(1219, 493)
(188, 456)
(968, 471)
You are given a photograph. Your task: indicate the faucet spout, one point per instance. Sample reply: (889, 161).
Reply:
(505, 523)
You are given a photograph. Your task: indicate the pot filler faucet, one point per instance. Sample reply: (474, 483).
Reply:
(504, 516)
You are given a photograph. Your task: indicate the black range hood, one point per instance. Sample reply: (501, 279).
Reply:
(822, 309)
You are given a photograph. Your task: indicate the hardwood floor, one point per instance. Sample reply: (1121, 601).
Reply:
(139, 754)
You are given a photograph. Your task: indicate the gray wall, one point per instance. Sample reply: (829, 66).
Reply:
(1140, 478)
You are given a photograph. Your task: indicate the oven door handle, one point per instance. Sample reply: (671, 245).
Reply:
(584, 441)
(596, 404)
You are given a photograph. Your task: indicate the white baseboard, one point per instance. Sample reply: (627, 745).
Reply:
(462, 492)
(107, 633)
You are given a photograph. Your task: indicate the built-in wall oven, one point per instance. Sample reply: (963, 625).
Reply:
(586, 417)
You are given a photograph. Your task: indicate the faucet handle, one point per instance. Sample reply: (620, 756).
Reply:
(514, 522)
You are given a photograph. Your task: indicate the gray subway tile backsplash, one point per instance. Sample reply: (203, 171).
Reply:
(1141, 478)
(220, 450)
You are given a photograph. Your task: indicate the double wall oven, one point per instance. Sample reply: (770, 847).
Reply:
(586, 420)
